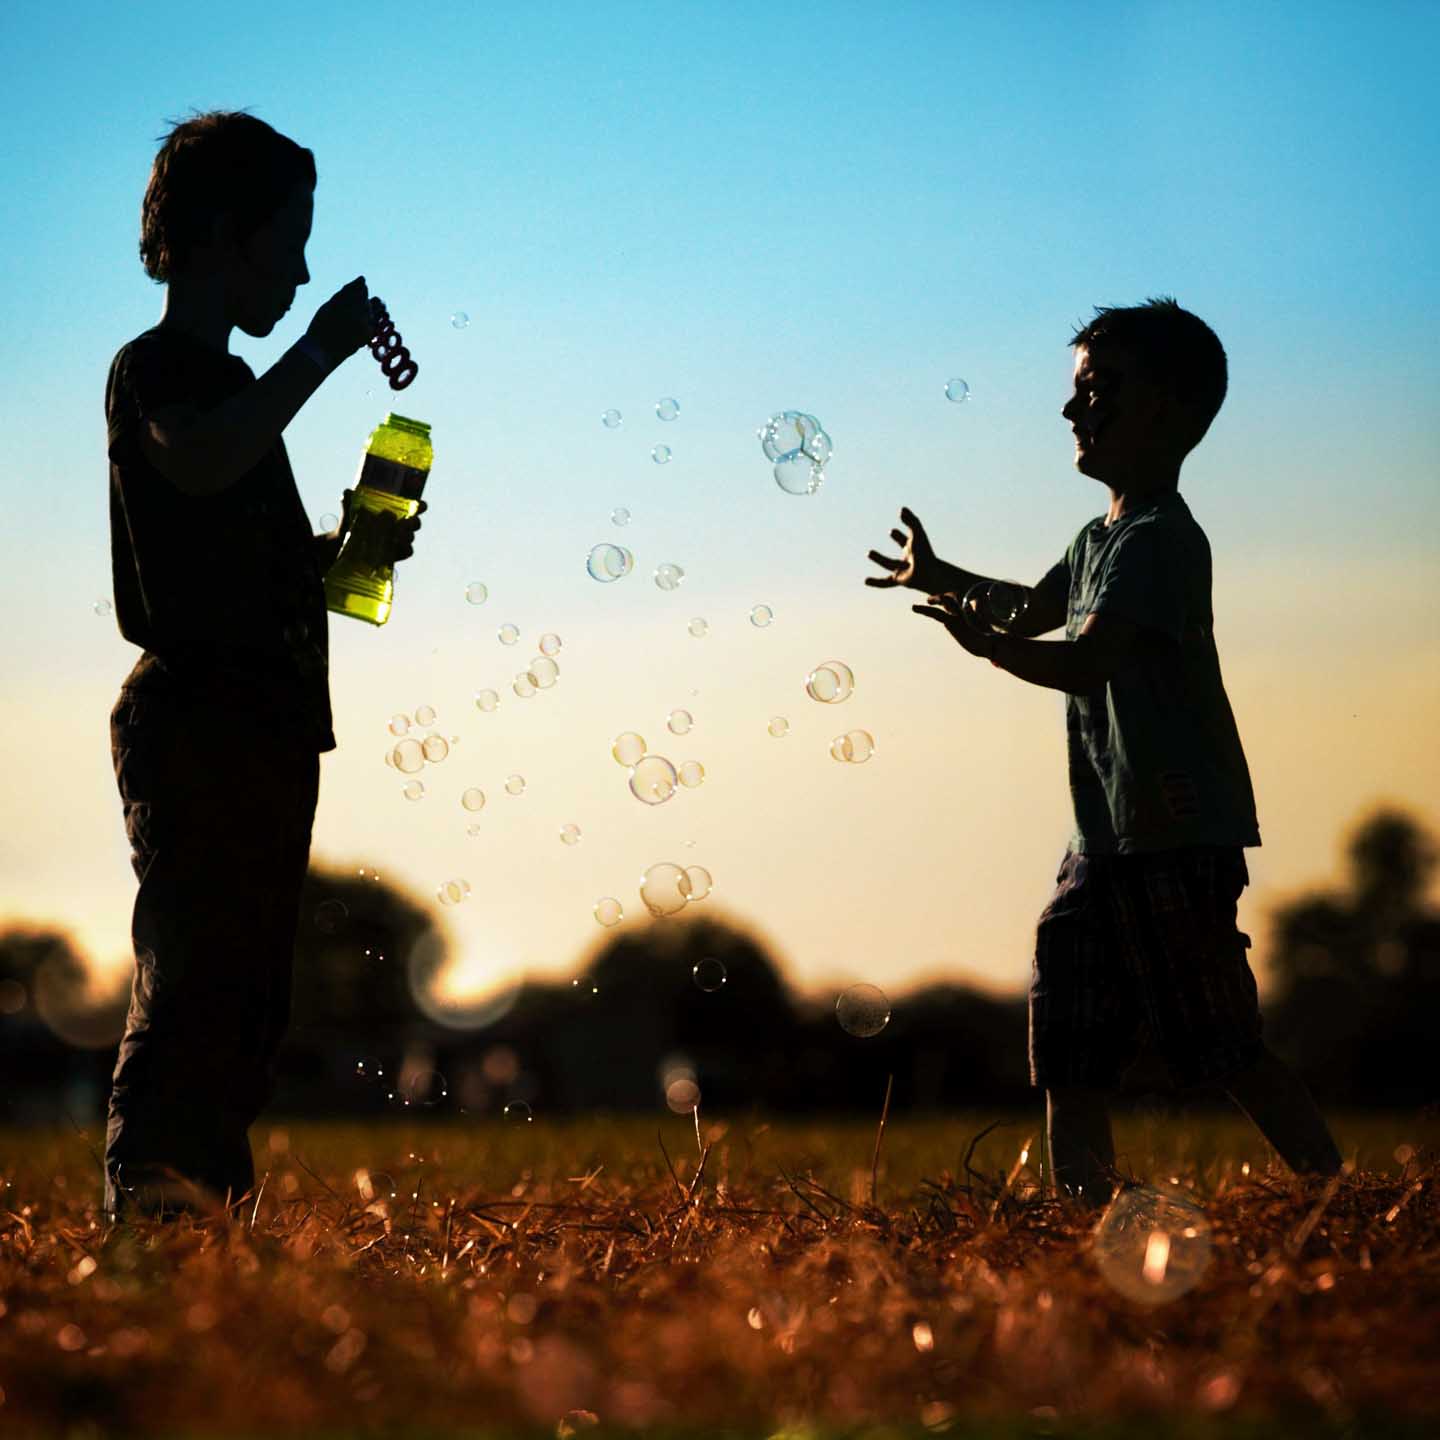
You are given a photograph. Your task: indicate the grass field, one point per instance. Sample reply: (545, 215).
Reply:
(594, 1277)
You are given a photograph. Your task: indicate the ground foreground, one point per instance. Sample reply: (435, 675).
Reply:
(731, 1277)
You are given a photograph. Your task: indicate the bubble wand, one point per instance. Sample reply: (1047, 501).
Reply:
(389, 349)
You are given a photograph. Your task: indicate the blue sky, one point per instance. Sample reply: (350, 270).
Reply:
(829, 207)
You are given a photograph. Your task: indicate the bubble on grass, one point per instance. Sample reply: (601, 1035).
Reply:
(682, 1095)
(422, 1087)
(524, 685)
(569, 834)
(653, 779)
(665, 889)
(709, 974)
(957, 390)
(830, 683)
(459, 319)
(399, 724)
(409, 757)
(508, 634)
(550, 643)
(452, 892)
(517, 1112)
(761, 616)
(477, 592)
(486, 700)
(330, 916)
(102, 607)
(668, 576)
(620, 516)
(609, 911)
(415, 790)
(1152, 1244)
(667, 408)
(435, 748)
(680, 721)
(543, 672)
(628, 748)
(473, 799)
(798, 474)
(607, 562)
(698, 878)
(854, 748)
(699, 627)
(612, 420)
(691, 774)
(779, 726)
(374, 1185)
(514, 784)
(660, 454)
(862, 1010)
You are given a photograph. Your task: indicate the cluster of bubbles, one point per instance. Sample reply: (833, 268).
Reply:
(452, 892)
(541, 673)
(665, 889)
(855, 747)
(411, 755)
(653, 778)
(1152, 1244)
(863, 1010)
(607, 562)
(798, 447)
(831, 683)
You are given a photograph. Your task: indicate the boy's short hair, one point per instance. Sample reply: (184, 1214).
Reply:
(1175, 348)
(223, 160)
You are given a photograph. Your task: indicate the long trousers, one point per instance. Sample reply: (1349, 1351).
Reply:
(218, 811)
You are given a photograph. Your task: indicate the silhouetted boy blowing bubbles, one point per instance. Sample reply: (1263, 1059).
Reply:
(1140, 932)
(217, 732)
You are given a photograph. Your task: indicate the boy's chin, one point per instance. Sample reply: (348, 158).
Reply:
(257, 329)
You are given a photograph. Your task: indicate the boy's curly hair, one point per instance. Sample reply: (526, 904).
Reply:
(223, 160)
(1174, 347)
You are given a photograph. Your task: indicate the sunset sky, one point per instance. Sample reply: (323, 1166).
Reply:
(831, 208)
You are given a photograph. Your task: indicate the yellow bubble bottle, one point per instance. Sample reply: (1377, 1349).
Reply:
(393, 470)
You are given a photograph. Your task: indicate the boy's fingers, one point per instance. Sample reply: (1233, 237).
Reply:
(882, 582)
(912, 520)
(885, 560)
(899, 537)
(934, 614)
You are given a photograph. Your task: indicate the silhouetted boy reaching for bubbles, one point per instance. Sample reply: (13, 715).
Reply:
(217, 732)
(1140, 932)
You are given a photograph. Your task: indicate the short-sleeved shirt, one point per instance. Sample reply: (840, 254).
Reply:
(223, 593)
(1154, 754)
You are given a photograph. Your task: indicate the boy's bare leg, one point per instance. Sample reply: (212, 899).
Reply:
(1082, 1147)
(1282, 1109)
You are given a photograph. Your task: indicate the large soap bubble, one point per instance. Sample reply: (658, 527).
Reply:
(1152, 1244)
(798, 447)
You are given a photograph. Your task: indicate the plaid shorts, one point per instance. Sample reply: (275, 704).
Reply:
(1137, 943)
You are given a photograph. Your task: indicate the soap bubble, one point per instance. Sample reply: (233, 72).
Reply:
(779, 726)
(415, 790)
(761, 616)
(692, 774)
(459, 319)
(709, 974)
(680, 722)
(682, 1095)
(668, 576)
(855, 748)
(399, 724)
(421, 1087)
(514, 784)
(425, 715)
(609, 911)
(699, 627)
(699, 880)
(508, 634)
(452, 892)
(473, 798)
(820, 448)
(1152, 1244)
(619, 516)
(517, 1112)
(477, 592)
(611, 420)
(995, 604)
(653, 780)
(797, 474)
(957, 390)
(569, 834)
(668, 408)
(863, 1010)
(102, 607)
(665, 888)
(524, 685)
(543, 671)
(550, 643)
(486, 700)
(786, 433)
(628, 748)
(409, 757)
(830, 683)
(660, 454)
(609, 562)
(330, 917)
(329, 520)
(435, 748)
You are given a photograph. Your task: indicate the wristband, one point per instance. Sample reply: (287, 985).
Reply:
(307, 347)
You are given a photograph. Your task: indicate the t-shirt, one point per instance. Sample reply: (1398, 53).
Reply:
(1155, 755)
(223, 593)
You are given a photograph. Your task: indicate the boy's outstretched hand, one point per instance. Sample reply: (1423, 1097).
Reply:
(965, 623)
(917, 568)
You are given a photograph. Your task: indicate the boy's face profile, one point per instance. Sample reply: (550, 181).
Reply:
(1124, 423)
(262, 273)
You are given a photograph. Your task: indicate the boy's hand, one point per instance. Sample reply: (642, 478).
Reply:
(344, 322)
(400, 543)
(966, 625)
(917, 568)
